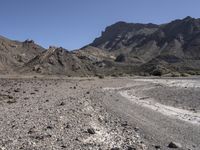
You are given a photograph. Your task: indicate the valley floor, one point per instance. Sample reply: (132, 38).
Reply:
(88, 113)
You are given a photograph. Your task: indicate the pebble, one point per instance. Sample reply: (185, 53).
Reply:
(91, 131)
(174, 145)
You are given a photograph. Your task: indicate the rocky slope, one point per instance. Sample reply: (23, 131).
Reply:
(174, 46)
(57, 61)
(14, 54)
(123, 48)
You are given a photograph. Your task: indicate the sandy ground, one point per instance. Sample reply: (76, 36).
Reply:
(90, 113)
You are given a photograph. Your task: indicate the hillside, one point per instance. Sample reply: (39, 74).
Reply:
(57, 61)
(14, 53)
(123, 48)
(175, 46)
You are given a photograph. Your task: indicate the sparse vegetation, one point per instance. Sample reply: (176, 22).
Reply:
(184, 75)
(121, 58)
(100, 76)
(114, 75)
(191, 72)
(198, 73)
(157, 72)
(176, 74)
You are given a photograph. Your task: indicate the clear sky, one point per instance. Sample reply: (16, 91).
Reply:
(75, 23)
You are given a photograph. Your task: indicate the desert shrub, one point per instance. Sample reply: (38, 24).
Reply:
(121, 58)
(191, 72)
(157, 72)
(100, 76)
(175, 74)
(144, 74)
(114, 75)
(184, 75)
(198, 73)
(121, 74)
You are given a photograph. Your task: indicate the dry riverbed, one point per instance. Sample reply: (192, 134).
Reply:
(90, 113)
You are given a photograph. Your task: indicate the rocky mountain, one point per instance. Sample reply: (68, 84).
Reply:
(14, 54)
(123, 35)
(123, 48)
(58, 61)
(174, 46)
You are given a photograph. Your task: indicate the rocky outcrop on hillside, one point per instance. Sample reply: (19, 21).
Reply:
(57, 61)
(14, 54)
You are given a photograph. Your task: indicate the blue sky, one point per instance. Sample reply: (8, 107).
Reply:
(75, 23)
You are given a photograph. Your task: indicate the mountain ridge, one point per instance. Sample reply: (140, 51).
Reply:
(123, 48)
(173, 43)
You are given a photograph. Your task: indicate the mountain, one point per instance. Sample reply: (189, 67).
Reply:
(123, 48)
(14, 54)
(173, 46)
(57, 61)
(123, 35)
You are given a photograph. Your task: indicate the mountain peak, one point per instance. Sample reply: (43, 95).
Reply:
(28, 41)
(188, 18)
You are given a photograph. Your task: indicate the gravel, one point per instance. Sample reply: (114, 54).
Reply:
(90, 114)
(43, 114)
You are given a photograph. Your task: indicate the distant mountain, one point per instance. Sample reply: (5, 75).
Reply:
(123, 48)
(174, 46)
(122, 35)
